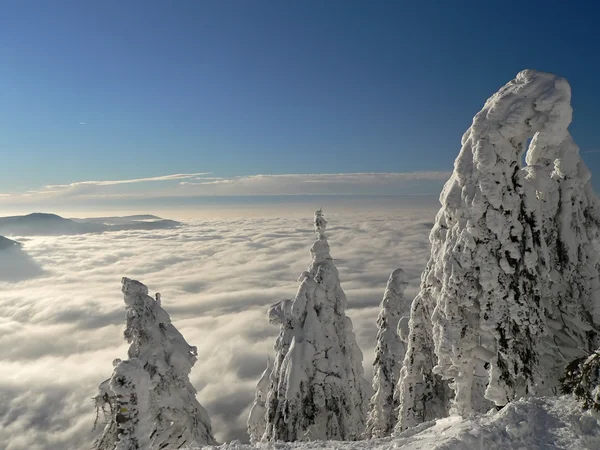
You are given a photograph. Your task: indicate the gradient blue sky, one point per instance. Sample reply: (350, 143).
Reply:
(103, 90)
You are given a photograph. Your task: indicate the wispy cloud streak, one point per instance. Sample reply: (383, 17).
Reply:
(177, 176)
(204, 184)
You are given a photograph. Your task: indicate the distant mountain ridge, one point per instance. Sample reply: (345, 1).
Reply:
(45, 224)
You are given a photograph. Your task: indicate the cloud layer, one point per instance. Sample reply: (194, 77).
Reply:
(167, 187)
(61, 320)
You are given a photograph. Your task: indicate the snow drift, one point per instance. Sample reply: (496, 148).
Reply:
(526, 424)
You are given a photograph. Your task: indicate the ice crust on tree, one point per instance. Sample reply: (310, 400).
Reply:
(256, 420)
(570, 223)
(389, 355)
(149, 400)
(510, 293)
(317, 390)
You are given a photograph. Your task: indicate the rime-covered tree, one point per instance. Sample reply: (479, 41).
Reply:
(496, 242)
(257, 422)
(421, 394)
(317, 389)
(124, 400)
(149, 399)
(571, 302)
(389, 355)
(486, 248)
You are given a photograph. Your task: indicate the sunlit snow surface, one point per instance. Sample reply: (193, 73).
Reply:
(534, 424)
(62, 315)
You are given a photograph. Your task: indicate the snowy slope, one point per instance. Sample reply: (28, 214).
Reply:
(533, 424)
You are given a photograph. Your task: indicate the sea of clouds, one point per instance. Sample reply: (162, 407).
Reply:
(62, 312)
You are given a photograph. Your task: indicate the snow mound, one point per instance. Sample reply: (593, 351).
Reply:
(528, 424)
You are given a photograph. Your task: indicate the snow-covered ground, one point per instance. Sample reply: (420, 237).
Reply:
(532, 424)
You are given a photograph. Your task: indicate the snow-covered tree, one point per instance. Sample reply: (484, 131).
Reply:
(497, 243)
(389, 355)
(317, 389)
(125, 397)
(571, 217)
(150, 401)
(421, 394)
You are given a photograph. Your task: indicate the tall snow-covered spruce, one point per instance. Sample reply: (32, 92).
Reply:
(421, 394)
(149, 400)
(389, 355)
(514, 258)
(317, 388)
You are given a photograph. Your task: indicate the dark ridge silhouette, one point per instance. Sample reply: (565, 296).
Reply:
(43, 224)
(15, 264)
(6, 243)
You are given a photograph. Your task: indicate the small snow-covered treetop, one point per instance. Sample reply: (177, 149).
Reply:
(317, 389)
(320, 251)
(389, 354)
(320, 223)
(152, 402)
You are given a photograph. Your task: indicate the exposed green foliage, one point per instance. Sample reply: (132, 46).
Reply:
(582, 379)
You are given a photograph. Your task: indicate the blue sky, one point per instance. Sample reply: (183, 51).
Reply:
(117, 90)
